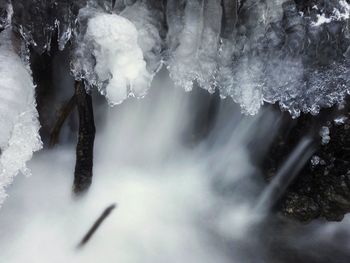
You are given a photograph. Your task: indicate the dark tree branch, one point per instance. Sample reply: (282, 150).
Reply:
(66, 110)
(96, 225)
(86, 137)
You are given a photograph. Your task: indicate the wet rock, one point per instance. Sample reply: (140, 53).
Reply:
(300, 207)
(36, 21)
(321, 189)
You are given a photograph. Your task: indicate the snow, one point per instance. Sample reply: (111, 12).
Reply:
(19, 125)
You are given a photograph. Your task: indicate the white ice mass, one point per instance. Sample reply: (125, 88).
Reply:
(193, 42)
(262, 59)
(19, 125)
(113, 40)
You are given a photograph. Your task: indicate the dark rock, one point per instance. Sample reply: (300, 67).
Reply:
(322, 189)
(3, 14)
(38, 20)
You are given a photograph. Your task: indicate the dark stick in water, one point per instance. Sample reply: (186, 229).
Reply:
(86, 138)
(96, 225)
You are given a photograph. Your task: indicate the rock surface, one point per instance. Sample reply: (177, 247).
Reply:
(322, 189)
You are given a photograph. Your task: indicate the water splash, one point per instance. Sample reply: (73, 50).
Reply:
(286, 174)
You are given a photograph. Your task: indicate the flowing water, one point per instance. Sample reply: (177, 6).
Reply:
(181, 168)
(178, 199)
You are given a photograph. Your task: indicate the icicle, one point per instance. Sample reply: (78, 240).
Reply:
(194, 58)
(148, 22)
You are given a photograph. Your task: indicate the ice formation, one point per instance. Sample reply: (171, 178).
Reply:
(118, 53)
(262, 51)
(19, 125)
(324, 133)
(340, 120)
(149, 25)
(338, 14)
(256, 52)
(193, 42)
(315, 160)
(112, 40)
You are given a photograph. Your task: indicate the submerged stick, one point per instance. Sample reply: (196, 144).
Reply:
(66, 110)
(86, 138)
(96, 225)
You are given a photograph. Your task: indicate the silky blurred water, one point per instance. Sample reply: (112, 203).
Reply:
(180, 199)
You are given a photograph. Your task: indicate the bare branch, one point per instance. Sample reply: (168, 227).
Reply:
(86, 138)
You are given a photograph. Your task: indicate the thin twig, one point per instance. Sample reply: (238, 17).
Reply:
(96, 225)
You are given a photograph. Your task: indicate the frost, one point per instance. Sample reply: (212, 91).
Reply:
(340, 120)
(324, 133)
(315, 160)
(19, 125)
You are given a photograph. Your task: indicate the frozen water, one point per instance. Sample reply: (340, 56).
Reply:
(194, 43)
(19, 125)
(268, 56)
(324, 133)
(340, 120)
(338, 14)
(147, 22)
(118, 53)
(255, 52)
(315, 160)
